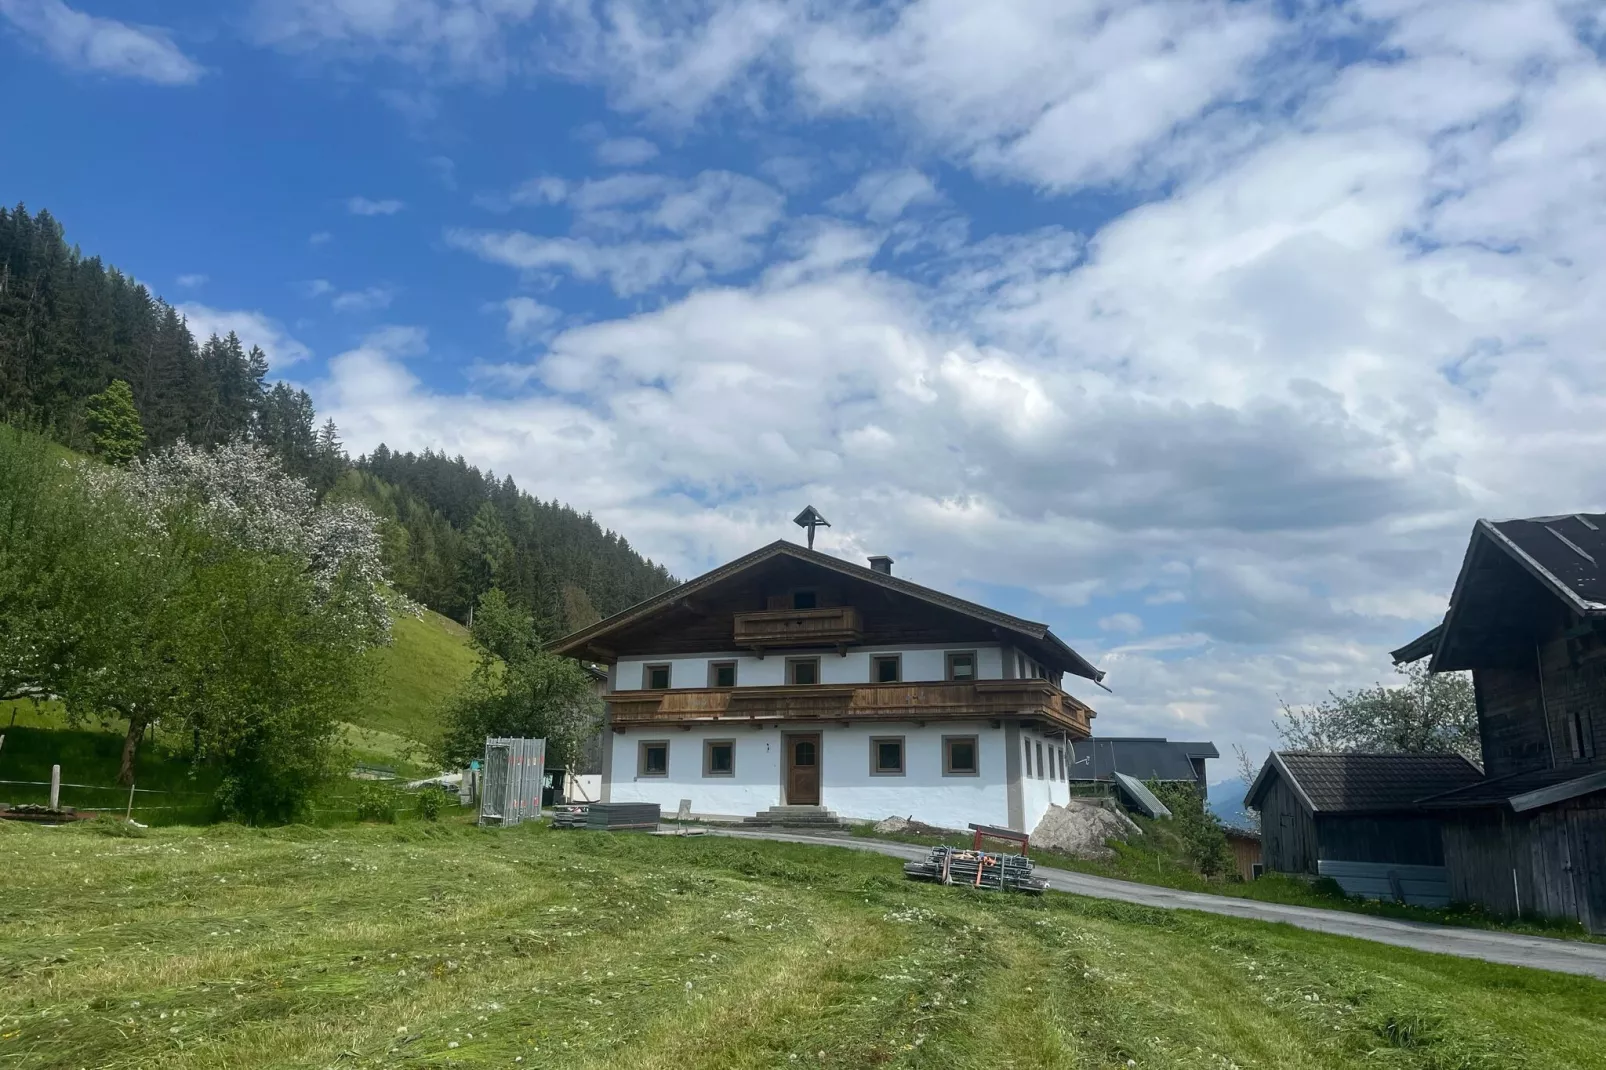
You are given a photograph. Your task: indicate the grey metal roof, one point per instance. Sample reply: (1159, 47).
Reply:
(1142, 757)
(1330, 782)
(1069, 660)
(1141, 796)
(1524, 791)
(1566, 553)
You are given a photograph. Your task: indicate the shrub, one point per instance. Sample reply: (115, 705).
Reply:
(430, 802)
(376, 802)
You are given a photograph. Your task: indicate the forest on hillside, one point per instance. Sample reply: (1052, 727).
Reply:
(72, 326)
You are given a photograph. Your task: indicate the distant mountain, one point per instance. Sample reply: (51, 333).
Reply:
(1226, 801)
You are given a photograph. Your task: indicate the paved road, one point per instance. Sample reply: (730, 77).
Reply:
(1565, 956)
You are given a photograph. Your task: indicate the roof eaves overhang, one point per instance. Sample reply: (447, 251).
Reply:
(1274, 760)
(1555, 793)
(1487, 530)
(573, 643)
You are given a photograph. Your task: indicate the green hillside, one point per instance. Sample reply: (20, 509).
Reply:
(427, 661)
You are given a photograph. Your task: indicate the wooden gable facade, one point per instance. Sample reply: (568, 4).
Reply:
(1528, 618)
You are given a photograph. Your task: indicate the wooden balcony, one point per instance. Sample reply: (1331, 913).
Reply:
(935, 701)
(833, 626)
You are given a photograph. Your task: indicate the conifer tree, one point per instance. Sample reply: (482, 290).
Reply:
(114, 423)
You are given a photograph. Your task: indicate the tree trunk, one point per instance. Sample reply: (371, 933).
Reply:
(136, 731)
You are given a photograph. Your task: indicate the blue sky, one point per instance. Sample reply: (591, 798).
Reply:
(1200, 330)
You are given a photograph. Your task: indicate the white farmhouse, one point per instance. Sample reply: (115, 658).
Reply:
(789, 677)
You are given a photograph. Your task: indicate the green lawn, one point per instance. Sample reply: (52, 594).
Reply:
(443, 945)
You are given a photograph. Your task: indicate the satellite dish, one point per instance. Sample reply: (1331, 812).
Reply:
(810, 518)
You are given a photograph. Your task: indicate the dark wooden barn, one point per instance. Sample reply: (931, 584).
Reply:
(1318, 806)
(1528, 618)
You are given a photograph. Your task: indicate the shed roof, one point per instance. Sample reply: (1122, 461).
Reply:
(1143, 757)
(1331, 782)
(1524, 791)
(1566, 554)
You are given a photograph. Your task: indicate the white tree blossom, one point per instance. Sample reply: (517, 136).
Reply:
(239, 493)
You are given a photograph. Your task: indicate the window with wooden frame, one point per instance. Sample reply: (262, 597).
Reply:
(886, 756)
(961, 665)
(655, 677)
(719, 757)
(802, 671)
(1065, 773)
(961, 756)
(652, 758)
(1040, 772)
(722, 674)
(1052, 775)
(805, 599)
(1028, 756)
(886, 668)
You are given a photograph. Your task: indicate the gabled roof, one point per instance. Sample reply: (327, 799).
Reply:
(1331, 782)
(1146, 758)
(1565, 554)
(1070, 660)
(1524, 791)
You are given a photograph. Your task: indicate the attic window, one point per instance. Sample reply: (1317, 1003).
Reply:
(961, 665)
(655, 677)
(805, 599)
(722, 674)
(886, 669)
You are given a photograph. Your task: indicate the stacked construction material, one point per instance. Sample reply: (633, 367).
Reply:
(977, 869)
(569, 817)
(607, 816)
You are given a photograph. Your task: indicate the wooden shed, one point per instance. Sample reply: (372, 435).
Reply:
(1320, 806)
(1528, 618)
(1246, 856)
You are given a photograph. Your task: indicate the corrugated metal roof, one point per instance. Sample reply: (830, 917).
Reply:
(1361, 783)
(1142, 757)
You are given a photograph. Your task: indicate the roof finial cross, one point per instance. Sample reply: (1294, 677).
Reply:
(810, 518)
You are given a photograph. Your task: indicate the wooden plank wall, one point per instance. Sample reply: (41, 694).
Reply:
(1404, 840)
(1510, 721)
(1288, 833)
(1558, 856)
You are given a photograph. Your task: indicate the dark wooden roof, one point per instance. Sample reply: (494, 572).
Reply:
(1523, 791)
(1333, 783)
(1141, 757)
(1045, 645)
(1507, 564)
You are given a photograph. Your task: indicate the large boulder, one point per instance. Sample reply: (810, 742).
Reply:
(1081, 829)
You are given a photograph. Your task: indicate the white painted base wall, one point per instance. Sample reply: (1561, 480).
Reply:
(846, 784)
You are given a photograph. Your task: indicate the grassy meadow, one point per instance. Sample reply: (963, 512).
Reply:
(442, 945)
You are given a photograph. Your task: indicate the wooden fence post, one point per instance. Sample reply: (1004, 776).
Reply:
(130, 815)
(55, 786)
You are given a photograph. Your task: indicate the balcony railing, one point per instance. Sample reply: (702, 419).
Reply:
(833, 626)
(987, 699)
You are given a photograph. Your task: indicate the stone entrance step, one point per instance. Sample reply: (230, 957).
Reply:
(809, 817)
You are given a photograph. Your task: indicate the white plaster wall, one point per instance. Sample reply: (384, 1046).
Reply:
(846, 785)
(1039, 790)
(920, 664)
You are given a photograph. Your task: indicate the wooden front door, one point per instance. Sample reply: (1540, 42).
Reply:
(803, 770)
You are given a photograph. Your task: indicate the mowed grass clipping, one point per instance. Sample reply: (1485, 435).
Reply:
(424, 945)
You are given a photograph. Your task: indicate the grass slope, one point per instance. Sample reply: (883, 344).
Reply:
(427, 661)
(421, 945)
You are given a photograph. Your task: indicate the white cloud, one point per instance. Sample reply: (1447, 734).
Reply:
(882, 196)
(319, 237)
(253, 328)
(625, 151)
(369, 299)
(367, 206)
(527, 318)
(639, 231)
(192, 281)
(105, 46)
(1128, 623)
